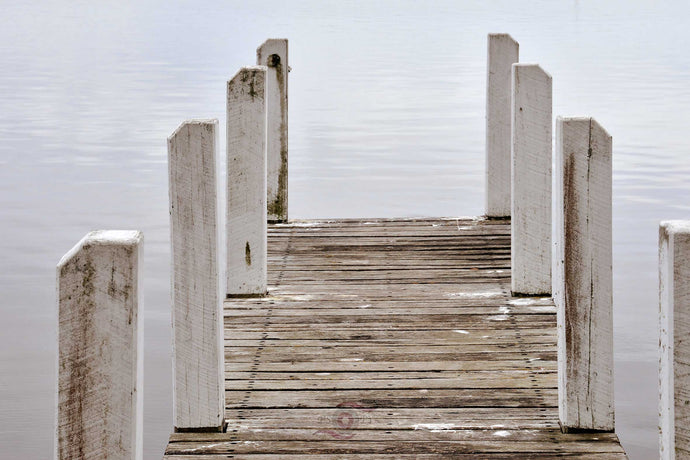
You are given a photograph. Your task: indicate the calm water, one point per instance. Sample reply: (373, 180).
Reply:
(386, 119)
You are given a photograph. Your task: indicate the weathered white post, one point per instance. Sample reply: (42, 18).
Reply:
(502, 53)
(583, 276)
(674, 357)
(531, 180)
(246, 201)
(100, 348)
(273, 53)
(197, 295)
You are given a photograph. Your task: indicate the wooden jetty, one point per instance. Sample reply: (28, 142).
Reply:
(488, 337)
(391, 339)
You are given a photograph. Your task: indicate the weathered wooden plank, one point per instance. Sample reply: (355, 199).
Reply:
(246, 182)
(518, 362)
(531, 180)
(583, 279)
(196, 276)
(674, 348)
(100, 360)
(502, 53)
(273, 54)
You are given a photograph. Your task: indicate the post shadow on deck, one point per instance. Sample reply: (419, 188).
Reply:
(100, 341)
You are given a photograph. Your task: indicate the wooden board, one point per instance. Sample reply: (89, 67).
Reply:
(391, 339)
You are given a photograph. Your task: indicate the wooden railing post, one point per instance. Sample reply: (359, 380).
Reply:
(273, 54)
(197, 296)
(531, 180)
(246, 200)
(674, 356)
(100, 341)
(502, 53)
(583, 276)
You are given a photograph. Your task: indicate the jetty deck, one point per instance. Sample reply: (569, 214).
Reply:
(391, 338)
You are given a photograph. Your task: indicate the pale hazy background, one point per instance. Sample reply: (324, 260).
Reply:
(386, 119)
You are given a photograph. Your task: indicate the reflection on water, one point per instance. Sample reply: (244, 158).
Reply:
(386, 119)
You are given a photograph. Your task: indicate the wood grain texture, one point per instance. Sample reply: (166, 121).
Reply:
(197, 294)
(246, 182)
(674, 347)
(375, 355)
(273, 54)
(503, 51)
(100, 340)
(583, 275)
(531, 180)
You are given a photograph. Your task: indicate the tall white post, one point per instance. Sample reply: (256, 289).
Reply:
(531, 180)
(246, 211)
(197, 296)
(583, 275)
(674, 343)
(100, 348)
(502, 53)
(273, 54)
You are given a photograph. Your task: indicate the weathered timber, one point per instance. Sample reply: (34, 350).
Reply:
(502, 53)
(363, 349)
(246, 198)
(100, 340)
(531, 180)
(197, 294)
(674, 346)
(273, 54)
(583, 274)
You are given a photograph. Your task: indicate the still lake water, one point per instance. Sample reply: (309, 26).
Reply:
(386, 119)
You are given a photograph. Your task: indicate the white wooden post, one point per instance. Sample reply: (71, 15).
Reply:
(531, 180)
(502, 53)
(246, 211)
(273, 53)
(100, 348)
(674, 343)
(197, 296)
(583, 276)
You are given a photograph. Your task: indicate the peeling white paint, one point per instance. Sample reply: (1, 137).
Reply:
(502, 433)
(435, 427)
(460, 331)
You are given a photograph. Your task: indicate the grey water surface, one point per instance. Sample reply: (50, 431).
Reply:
(386, 119)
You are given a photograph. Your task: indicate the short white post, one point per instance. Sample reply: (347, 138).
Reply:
(100, 348)
(583, 275)
(273, 54)
(502, 53)
(674, 343)
(197, 296)
(531, 180)
(246, 211)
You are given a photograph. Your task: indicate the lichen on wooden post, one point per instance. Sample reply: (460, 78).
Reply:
(246, 198)
(273, 54)
(531, 180)
(583, 279)
(674, 346)
(502, 53)
(100, 348)
(197, 295)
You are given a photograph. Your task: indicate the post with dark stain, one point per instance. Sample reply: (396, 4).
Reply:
(583, 280)
(100, 360)
(246, 235)
(273, 54)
